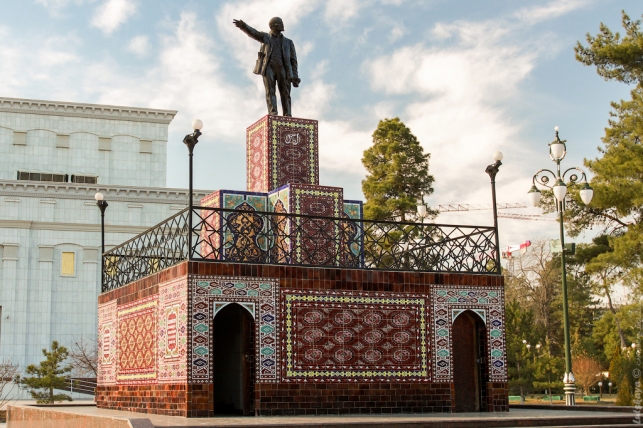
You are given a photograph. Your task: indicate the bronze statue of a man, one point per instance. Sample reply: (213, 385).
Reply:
(277, 63)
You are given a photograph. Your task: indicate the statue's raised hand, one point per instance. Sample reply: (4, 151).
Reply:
(239, 23)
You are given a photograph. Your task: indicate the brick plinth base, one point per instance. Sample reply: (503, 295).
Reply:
(361, 398)
(166, 399)
(497, 397)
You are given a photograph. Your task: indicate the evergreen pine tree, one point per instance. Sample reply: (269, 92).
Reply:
(398, 173)
(48, 375)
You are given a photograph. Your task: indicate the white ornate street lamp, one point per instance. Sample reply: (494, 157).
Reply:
(557, 151)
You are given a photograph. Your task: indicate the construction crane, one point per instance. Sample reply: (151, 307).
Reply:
(476, 207)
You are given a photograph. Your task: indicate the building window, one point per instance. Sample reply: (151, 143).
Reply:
(10, 252)
(90, 255)
(42, 176)
(62, 141)
(19, 138)
(68, 265)
(105, 144)
(46, 254)
(111, 265)
(84, 179)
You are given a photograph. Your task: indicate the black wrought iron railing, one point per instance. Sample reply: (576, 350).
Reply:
(248, 236)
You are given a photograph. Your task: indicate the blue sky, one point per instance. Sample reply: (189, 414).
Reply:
(468, 77)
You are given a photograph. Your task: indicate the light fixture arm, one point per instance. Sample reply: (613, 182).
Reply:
(541, 178)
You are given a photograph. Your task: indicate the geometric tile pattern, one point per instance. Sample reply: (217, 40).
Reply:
(209, 294)
(137, 344)
(107, 340)
(173, 331)
(448, 302)
(316, 243)
(331, 336)
(234, 232)
(281, 150)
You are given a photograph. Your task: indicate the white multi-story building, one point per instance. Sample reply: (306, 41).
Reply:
(54, 157)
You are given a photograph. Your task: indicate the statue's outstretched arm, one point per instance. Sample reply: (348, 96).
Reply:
(251, 32)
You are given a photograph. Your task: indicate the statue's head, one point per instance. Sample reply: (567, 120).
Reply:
(276, 24)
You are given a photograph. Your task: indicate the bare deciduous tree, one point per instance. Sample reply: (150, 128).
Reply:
(83, 354)
(587, 371)
(8, 372)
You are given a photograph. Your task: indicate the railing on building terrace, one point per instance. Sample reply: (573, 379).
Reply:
(248, 236)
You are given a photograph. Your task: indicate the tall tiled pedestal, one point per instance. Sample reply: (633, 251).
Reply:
(281, 150)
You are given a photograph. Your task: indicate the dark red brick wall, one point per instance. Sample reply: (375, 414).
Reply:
(497, 397)
(167, 399)
(344, 398)
(299, 398)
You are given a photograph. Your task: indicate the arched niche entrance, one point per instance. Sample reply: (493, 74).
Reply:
(233, 359)
(469, 362)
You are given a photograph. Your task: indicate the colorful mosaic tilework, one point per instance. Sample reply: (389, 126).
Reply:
(242, 236)
(315, 244)
(107, 343)
(354, 209)
(352, 240)
(211, 293)
(448, 303)
(354, 337)
(173, 331)
(138, 341)
(281, 150)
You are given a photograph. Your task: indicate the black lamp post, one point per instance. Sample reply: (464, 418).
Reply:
(557, 151)
(492, 170)
(102, 205)
(190, 141)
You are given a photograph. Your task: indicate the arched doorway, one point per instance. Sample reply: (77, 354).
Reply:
(233, 359)
(469, 362)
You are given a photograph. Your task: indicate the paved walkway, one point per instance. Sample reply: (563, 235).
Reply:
(516, 417)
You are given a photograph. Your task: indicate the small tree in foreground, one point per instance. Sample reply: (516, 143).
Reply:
(47, 376)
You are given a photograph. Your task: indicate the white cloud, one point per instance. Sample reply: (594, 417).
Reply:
(458, 93)
(140, 45)
(551, 10)
(342, 10)
(112, 14)
(398, 31)
(56, 6)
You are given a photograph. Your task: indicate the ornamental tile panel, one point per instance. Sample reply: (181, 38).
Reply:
(450, 301)
(208, 295)
(107, 343)
(241, 233)
(173, 331)
(331, 336)
(138, 341)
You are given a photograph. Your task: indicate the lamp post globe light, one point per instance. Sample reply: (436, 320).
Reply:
(102, 205)
(543, 178)
(191, 141)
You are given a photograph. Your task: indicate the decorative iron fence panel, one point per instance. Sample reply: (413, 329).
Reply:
(248, 236)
